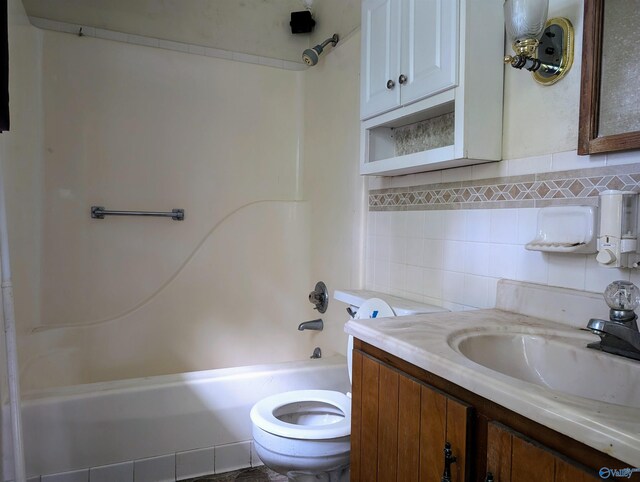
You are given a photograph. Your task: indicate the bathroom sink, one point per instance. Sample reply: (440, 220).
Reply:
(560, 363)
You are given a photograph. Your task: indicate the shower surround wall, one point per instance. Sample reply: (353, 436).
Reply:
(133, 127)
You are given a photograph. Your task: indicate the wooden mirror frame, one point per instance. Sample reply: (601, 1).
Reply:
(588, 140)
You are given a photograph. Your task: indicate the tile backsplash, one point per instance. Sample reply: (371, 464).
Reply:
(433, 244)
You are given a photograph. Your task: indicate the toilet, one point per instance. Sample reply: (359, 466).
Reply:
(305, 434)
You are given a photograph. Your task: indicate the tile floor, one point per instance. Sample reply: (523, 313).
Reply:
(256, 474)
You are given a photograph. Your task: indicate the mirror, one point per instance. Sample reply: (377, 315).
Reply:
(610, 90)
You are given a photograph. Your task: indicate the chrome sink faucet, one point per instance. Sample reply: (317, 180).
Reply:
(619, 334)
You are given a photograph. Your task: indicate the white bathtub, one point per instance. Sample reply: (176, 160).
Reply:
(99, 424)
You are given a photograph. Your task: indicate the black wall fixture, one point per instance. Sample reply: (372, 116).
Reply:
(302, 22)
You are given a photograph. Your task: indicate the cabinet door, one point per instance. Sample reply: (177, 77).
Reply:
(429, 47)
(400, 426)
(511, 457)
(380, 57)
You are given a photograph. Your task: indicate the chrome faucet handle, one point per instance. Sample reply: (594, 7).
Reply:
(320, 297)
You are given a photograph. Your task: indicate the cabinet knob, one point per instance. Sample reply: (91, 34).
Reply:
(402, 79)
(489, 477)
(390, 84)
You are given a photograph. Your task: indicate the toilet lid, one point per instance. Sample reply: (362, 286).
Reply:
(371, 308)
(262, 415)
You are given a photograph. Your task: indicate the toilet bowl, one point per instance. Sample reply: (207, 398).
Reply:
(305, 434)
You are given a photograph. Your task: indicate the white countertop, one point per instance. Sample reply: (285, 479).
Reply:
(426, 341)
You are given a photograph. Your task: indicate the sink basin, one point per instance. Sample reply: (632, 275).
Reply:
(559, 363)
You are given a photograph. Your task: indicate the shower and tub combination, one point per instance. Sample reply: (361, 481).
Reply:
(173, 427)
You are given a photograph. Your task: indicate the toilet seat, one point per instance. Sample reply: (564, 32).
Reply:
(262, 415)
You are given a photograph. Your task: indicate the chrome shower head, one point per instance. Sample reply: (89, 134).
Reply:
(311, 56)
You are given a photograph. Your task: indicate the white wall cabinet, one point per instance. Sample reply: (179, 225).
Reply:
(410, 51)
(434, 66)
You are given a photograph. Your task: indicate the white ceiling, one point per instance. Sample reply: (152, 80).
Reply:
(258, 27)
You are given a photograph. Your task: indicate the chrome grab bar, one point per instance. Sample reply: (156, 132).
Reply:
(99, 212)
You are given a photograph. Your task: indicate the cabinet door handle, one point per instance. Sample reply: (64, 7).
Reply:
(390, 84)
(402, 79)
(449, 459)
(489, 477)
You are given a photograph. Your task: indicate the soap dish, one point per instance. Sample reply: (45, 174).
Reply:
(565, 229)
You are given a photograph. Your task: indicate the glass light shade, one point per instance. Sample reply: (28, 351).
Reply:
(525, 19)
(622, 295)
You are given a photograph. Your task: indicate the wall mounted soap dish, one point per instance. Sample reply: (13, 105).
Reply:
(566, 229)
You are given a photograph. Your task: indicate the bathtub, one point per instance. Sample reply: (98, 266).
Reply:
(100, 424)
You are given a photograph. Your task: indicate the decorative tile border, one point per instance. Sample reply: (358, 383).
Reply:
(578, 186)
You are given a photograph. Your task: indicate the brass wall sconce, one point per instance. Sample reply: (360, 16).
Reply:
(543, 47)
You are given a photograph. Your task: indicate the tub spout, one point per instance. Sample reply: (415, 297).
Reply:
(316, 325)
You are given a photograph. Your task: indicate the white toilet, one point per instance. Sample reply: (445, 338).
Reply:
(305, 434)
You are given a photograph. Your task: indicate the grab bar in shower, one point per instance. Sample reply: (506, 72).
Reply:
(98, 212)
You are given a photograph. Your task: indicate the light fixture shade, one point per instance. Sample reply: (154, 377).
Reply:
(525, 19)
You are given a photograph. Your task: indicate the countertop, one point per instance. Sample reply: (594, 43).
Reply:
(428, 341)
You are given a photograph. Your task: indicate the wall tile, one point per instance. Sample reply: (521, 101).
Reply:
(397, 278)
(561, 161)
(433, 225)
(504, 226)
(73, 476)
(414, 253)
(433, 253)
(195, 463)
(624, 157)
(415, 280)
(476, 258)
(453, 256)
(232, 457)
(255, 460)
(155, 469)
(531, 266)
(476, 291)
(503, 259)
(529, 165)
(432, 279)
(415, 224)
(453, 287)
(108, 473)
(597, 277)
(567, 271)
(527, 225)
(478, 225)
(454, 225)
(397, 249)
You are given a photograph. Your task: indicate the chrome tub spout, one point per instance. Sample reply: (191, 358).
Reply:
(316, 325)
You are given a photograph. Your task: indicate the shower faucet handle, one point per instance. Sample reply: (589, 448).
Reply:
(320, 297)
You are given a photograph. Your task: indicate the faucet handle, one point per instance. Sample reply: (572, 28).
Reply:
(320, 297)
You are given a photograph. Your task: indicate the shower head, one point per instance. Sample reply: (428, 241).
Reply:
(311, 56)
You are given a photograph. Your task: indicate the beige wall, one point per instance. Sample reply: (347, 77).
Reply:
(538, 119)
(332, 185)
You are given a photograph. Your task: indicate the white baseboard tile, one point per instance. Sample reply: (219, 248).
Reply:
(233, 457)
(122, 472)
(195, 463)
(155, 469)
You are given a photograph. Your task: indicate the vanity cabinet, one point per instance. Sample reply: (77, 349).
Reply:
(431, 84)
(512, 457)
(402, 415)
(400, 427)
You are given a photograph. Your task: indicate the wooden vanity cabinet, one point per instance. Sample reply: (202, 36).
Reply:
(512, 457)
(400, 427)
(402, 415)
